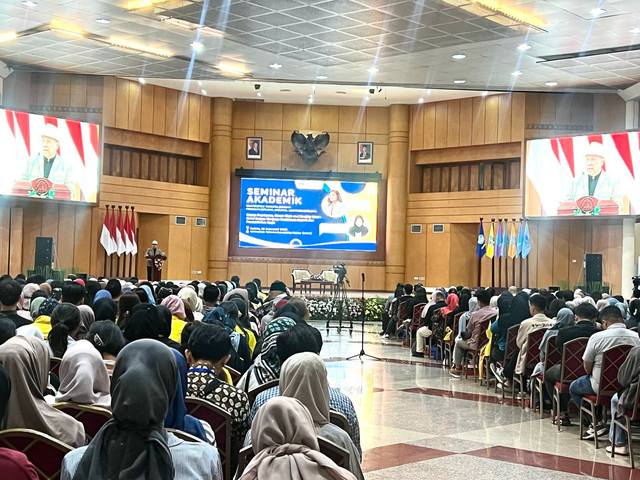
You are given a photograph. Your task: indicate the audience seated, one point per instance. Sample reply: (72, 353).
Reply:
(65, 323)
(424, 332)
(26, 360)
(83, 376)
(104, 308)
(15, 465)
(7, 329)
(10, 292)
(623, 401)
(108, 340)
(178, 315)
(285, 443)
(134, 443)
(240, 355)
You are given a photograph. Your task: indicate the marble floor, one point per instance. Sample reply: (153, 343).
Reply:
(417, 421)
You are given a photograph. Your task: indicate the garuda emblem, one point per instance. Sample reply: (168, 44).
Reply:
(309, 148)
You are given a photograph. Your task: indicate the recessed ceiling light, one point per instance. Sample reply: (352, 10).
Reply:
(142, 81)
(523, 47)
(203, 91)
(29, 3)
(340, 92)
(459, 81)
(551, 84)
(635, 30)
(366, 98)
(373, 70)
(321, 77)
(310, 100)
(285, 89)
(275, 66)
(517, 73)
(485, 93)
(459, 56)
(197, 46)
(199, 83)
(5, 37)
(103, 20)
(421, 100)
(259, 94)
(597, 11)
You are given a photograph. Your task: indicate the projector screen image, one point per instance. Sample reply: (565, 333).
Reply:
(48, 158)
(591, 175)
(308, 214)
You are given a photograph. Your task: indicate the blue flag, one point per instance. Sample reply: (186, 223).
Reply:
(526, 242)
(499, 241)
(505, 240)
(481, 247)
(520, 239)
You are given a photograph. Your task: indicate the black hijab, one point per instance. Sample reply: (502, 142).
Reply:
(520, 308)
(5, 391)
(105, 309)
(143, 322)
(133, 444)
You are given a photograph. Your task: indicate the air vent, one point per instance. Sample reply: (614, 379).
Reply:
(416, 228)
(201, 222)
(438, 228)
(181, 220)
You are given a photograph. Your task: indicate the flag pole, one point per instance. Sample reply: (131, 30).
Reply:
(500, 256)
(493, 258)
(480, 263)
(127, 254)
(506, 257)
(513, 260)
(113, 214)
(522, 227)
(104, 268)
(133, 241)
(526, 226)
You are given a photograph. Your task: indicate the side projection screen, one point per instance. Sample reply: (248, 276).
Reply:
(49, 158)
(308, 214)
(590, 175)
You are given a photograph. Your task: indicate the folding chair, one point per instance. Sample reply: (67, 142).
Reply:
(182, 435)
(553, 357)
(474, 355)
(235, 375)
(510, 349)
(339, 420)
(43, 451)
(446, 346)
(93, 418)
(416, 321)
(54, 366)
(629, 416)
(612, 360)
(530, 361)
(402, 316)
(220, 422)
(253, 393)
(571, 369)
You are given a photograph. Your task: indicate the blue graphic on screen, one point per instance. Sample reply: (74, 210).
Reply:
(308, 214)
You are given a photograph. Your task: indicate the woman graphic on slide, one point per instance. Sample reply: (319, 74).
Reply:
(332, 205)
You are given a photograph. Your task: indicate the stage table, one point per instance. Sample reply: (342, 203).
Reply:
(307, 286)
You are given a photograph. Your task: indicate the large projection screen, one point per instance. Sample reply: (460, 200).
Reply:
(49, 158)
(308, 214)
(590, 175)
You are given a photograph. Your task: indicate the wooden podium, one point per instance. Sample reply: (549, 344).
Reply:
(157, 261)
(589, 206)
(41, 188)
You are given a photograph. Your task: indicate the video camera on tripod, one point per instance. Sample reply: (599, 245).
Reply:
(341, 271)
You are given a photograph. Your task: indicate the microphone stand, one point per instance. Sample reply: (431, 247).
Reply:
(362, 352)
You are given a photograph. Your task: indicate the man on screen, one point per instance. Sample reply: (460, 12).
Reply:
(594, 181)
(47, 163)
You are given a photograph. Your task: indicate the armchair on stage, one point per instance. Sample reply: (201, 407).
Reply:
(157, 261)
(305, 279)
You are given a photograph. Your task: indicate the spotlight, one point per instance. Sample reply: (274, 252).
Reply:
(372, 91)
(257, 86)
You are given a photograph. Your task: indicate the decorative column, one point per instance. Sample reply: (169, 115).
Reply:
(398, 159)
(219, 187)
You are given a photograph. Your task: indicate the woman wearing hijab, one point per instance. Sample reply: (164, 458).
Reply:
(564, 319)
(177, 417)
(26, 360)
(190, 299)
(24, 304)
(144, 322)
(43, 319)
(83, 376)
(147, 288)
(127, 301)
(102, 294)
(304, 377)
(164, 327)
(452, 303)
(87, 317)
(134, 443)
(240, 354)
(285, 443)
(178, 315)
(266, 366)
(105, 308)
(231, 308)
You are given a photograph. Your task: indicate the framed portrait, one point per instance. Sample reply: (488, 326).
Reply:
(254, 148)
(365, 153)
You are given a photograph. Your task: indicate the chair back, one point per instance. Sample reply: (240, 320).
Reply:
(483, 326)
(456, 326)
(93, 418)
(612, 360)
(339, 420)
(182, 435)
(54, 366)
(329, 276)
(416, 319)
(252, 394)
(510, 345)
(300, 274)
(220, 422)
(394, 309)
(235, 375)
(635, 410)
(42, 450)
(553, 355)
(572, 364)
(335, 452)
(533, 349)
(402, 312)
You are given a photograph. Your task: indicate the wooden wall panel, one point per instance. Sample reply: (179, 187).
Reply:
(5, 229)
(478, 113)
(159, 110)
(135, 106)
(453, 123)
(441, 125)
(122, 103)
(416, 141)
(466, 120)
(171, 113)
(15, 240)
(146, 108)
(504, 118)
(492, 106)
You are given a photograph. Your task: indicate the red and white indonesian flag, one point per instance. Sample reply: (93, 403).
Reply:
(106, 239)
(120, 235)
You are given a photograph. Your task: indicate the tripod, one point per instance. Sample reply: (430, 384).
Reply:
(340, 305)
(362, 352)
